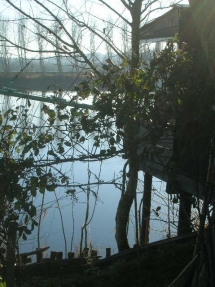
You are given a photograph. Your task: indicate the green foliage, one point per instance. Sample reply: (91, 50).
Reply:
(154, 97)
(172, 94)
(20, 144)
(93, 270)
(2, 284)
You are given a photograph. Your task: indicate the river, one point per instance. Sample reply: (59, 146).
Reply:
(103, 204)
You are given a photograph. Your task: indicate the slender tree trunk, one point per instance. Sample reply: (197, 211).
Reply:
(5, 55)
(135, 33)
(125, 203)
(40, 43)
(144, 234)
(124, 206)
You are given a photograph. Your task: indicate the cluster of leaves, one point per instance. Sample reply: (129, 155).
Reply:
(20, 145)
(131, 99)
(165, 97)
(153, 97)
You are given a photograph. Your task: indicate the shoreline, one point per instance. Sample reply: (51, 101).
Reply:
(35, 82)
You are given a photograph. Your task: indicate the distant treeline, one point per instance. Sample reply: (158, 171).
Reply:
(50, 64)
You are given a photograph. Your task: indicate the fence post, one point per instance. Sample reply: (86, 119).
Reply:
(108, 252)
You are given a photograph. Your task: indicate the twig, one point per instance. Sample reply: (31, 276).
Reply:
(62, 224)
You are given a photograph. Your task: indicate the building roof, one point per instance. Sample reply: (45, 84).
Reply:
(165, 26)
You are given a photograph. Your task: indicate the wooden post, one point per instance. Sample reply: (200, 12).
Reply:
(25, 259)
(53, 255)
(59, 255)
(108, 252)
(71, 255)
(39, 256)
(144, 233)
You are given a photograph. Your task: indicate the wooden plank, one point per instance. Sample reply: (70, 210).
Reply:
(38, 251)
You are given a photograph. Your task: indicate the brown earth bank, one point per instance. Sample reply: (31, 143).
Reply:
(149, 266)
(35, 82)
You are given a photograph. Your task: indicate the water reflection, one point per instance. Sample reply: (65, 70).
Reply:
(101, 230)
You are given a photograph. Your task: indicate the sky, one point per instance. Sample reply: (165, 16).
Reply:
(92, 12)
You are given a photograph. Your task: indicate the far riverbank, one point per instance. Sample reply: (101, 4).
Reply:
(35, 82)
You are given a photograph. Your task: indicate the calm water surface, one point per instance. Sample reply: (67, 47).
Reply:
(101, 230)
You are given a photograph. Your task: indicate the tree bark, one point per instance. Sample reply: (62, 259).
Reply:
(135, 34)
(144, 234)
(125, 203)
(124, 206)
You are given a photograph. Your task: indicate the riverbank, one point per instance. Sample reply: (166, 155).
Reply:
(37, 82)
(153, 265)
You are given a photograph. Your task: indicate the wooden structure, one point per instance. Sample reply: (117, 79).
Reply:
(185, 148)
(24, 257)
(176, 21)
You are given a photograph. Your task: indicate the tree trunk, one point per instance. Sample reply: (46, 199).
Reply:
(125, 203)
(144, 234)
(124, 206)
(135, 34)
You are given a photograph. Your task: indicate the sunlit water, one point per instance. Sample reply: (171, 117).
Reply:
(101, 230)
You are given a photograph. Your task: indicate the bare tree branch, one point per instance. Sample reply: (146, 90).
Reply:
(127, 6)
(117, 13)
(73, 45)
(83, 24)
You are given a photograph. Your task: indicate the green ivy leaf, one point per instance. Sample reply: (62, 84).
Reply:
(42, 188)
(38, 171)
(32, 211)
(27, 148)
(24, 237)
(51, 152)
(34, 185)
(68, 143)
(27, 231)
(102, 152)
(112, 141)
(64, 179)
(17, 206)
(50, 187)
